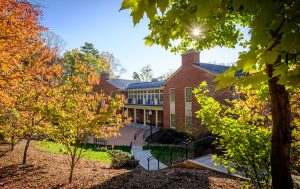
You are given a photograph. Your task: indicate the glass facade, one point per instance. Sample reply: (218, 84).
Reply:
(146, 97)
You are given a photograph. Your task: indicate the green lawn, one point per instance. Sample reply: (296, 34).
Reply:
(165, 152)
(91, 151)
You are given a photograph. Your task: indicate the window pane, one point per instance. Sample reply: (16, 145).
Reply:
(188, 121)
(188, 94)
(173, 121)
(172, 95)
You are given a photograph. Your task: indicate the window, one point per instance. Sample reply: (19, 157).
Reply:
(172, 95)
(188, 94)
(161, 97)
(188, 121)
(172, 121)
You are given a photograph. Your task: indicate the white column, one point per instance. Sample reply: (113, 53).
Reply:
(134, 115)
(144, 116)
(156, 118)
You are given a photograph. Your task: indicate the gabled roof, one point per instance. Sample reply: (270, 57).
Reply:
(213, 68)
(121, 83)
(216, 69)
(145, 85)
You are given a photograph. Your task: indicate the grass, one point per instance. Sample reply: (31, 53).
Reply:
(90, 151)
(164, 153)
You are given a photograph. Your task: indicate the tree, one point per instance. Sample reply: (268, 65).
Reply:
(243, 131)
(166, 75)
(105, 58)
(92, 63)
(20, 28)
(270, 55)
(53, 41)
(78, 113)
(146, 74)
(115, 67)
(88, 48)
(29, 94)
(136, 76)
(26, 72)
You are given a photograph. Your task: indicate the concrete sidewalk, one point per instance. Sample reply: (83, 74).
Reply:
(208, 163)
(143, 155)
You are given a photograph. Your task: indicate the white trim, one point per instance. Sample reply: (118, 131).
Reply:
(137, 106)
(185, 121)
(185, 94)
(172, 104)
(113, 85)
(144, 89)
(174, 94)
(172, 75)
(171, 121)
(205, 70)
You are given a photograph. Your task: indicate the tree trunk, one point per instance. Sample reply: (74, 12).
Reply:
(12, 143)
(281, 134)
(25, 151)
(72, 169)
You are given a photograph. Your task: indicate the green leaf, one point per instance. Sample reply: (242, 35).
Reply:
(150, 8)
(148, 41)
(162, 5)
(129, 4)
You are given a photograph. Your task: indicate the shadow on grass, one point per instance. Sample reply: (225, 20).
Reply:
(18, 172)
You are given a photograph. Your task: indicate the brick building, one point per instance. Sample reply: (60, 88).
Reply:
(167, 103)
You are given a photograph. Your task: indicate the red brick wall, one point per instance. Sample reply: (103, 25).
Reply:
(187, 76)
(105, 86)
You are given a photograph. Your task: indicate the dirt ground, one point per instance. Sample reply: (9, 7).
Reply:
(47, 170)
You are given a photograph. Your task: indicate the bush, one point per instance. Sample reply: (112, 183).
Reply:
(122, 159)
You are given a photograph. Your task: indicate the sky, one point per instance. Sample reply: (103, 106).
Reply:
(100, 22)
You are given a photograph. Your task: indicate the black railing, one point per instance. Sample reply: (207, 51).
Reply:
(136, 134)
(151, 158)
(151, 131)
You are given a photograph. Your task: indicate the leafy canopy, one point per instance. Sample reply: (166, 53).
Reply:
(273, 30)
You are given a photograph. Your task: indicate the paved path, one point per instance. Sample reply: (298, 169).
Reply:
(142, 155)
(126, 136)
(207, 162)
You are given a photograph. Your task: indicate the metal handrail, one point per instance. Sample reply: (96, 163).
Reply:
(150, 158)
(147, 133)
(139, 132)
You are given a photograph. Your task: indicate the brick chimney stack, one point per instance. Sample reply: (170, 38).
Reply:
(190, 57)
(104, 75)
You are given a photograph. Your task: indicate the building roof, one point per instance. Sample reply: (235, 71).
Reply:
(144, 85)
(214, 68)
(121, 83)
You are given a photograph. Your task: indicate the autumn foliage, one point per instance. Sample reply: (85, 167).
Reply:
(42, 96)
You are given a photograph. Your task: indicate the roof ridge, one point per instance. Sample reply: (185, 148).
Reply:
(148, 82)
(210, 64)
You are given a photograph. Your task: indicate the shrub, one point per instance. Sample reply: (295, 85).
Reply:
(103, 149)
(122, 159)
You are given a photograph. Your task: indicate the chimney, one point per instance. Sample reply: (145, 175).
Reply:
(190, 57)
(104, 75)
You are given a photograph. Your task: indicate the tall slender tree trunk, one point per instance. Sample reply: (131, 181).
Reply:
(25, 151)
(281, 134)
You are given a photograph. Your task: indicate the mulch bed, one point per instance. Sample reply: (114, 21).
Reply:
(47, 170)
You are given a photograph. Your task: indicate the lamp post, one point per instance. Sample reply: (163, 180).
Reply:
(150, 113)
